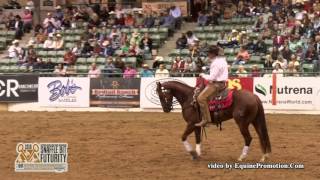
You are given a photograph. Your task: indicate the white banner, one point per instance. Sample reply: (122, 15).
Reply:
(293, 93)
(64, 91)
(148, 95)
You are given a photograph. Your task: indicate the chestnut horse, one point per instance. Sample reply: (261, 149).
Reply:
(246, 109)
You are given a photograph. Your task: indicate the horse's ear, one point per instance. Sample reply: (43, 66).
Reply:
(158, 84)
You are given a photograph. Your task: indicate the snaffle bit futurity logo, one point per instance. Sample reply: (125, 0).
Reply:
(41, 157)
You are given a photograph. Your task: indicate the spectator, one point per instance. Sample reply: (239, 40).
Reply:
(241, 72)
(77, 49)
(30, 57)
(182, 42)
(27, 21)
(30, 5)
(242, 57)
(59, 42)
(119, 64)
(51, 28)
(48, 19)
(107, 49)
(191, 38)
(175, 12)
(283, 62)
(11, 22)
(15, 51)
(129, 20)
(129, 72)
(109, 67)
(268, 62)
(135, 38)
(59, 13)
(94, 72)
(49, 43)
(162, 72)
(60, 70)
(169, 22)
(18, 27)
(278, 70)
(139, 19)
(87, 50)
(294, 61)
(146, 72)
(291, 71)
(12, 4)
(255, 72)
(149, 21)
(234, 39)
(202, 19)
(179, 64)
(69, 57)
(189, 68)
(157, 61)
(146, 44)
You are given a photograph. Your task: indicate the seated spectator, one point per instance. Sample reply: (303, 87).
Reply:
(129, 72)
(179, 63)
(135, 38)
(11, 23)
(129, 20)
(189, 68)
(182, 42)
(109, 67)
(169, 22)
(94, 35)
(119, 64)
(241, 72)
(191, 38)
(18, 27)
(278, 70)
(162, 72)
(69, 57)
(242, 57)
(41, 37)
(139, 19)
(251, 46)
(146, 72)
(294, 43)
(261, 46)
(278, 40)
(59, 42)
(243, 38)
(60, 70)
(77, 49)
(255, 72)
(66, 23)
(87, 50)
(268, 62)
(234, 39)
(283, 62)
(202, 19)
(157, 61)
(107, 49)
(294, 61)
(48, 19)
(291, 71)
(49, 43)
(149, 21)
(94, 72)
(57, 23)
(286, 53)
(15, 51)
(174, 72)
(27, 21)
(146, 44)
(222, 39)
(30, 57)
(258, 26)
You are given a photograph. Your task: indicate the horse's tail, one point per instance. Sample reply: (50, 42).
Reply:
(261, 128)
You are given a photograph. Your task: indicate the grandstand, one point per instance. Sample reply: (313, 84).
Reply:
(124, 30)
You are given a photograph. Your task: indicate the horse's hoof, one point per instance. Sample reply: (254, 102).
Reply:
(194, 155)
(242, 157)
(264, 157)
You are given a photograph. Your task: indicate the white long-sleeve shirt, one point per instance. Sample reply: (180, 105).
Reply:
(218, 70)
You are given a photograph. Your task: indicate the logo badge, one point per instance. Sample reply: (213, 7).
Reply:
(260, 89)
(41, 157)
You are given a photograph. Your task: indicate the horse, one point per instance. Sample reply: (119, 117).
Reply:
(246, 109)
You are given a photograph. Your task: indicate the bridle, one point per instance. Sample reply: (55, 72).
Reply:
(167, 104)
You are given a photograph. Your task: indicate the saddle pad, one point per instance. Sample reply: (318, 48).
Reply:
(220, 104)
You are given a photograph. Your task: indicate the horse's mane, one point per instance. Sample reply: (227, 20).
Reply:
(176, 85)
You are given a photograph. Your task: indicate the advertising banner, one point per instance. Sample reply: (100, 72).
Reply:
(292, 93)
(158, 6)
(64, 91)
(241, 83)
(19, 88)
(115, 92)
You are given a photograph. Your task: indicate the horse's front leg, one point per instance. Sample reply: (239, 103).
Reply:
(189, 129)
(197, 132)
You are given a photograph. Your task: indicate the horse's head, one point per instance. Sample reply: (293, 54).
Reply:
(165, 97)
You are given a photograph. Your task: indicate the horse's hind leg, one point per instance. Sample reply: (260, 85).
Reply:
(244, 129)
(189, 129)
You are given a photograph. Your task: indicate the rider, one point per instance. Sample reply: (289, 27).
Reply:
(216, 82)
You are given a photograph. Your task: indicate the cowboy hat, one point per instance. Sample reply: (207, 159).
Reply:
(58, 35)
(234, 31)
(112, 12)
(105, 43)
(15, 41)
(145, 65)
(158, 58)
(58, 7)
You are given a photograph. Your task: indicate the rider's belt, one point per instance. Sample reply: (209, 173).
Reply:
(217, 82)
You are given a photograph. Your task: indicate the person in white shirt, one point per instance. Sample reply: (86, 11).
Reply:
(47, 19)
(49, 43)
(216, 82)
(161, 72)
(191, 38)
(94, 72)
(278, 70)
(15, 51)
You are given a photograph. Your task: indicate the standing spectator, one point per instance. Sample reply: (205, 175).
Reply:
(27, 21)
(129, 72)
(30, 6)
(162, 72)
(94, 72)
(18, 27)
(59, 13)
(69, 57)
(15, 51)
(48, 19)
(146, 72)
(175, 12)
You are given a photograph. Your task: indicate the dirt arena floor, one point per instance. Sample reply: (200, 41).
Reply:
(147, 146)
